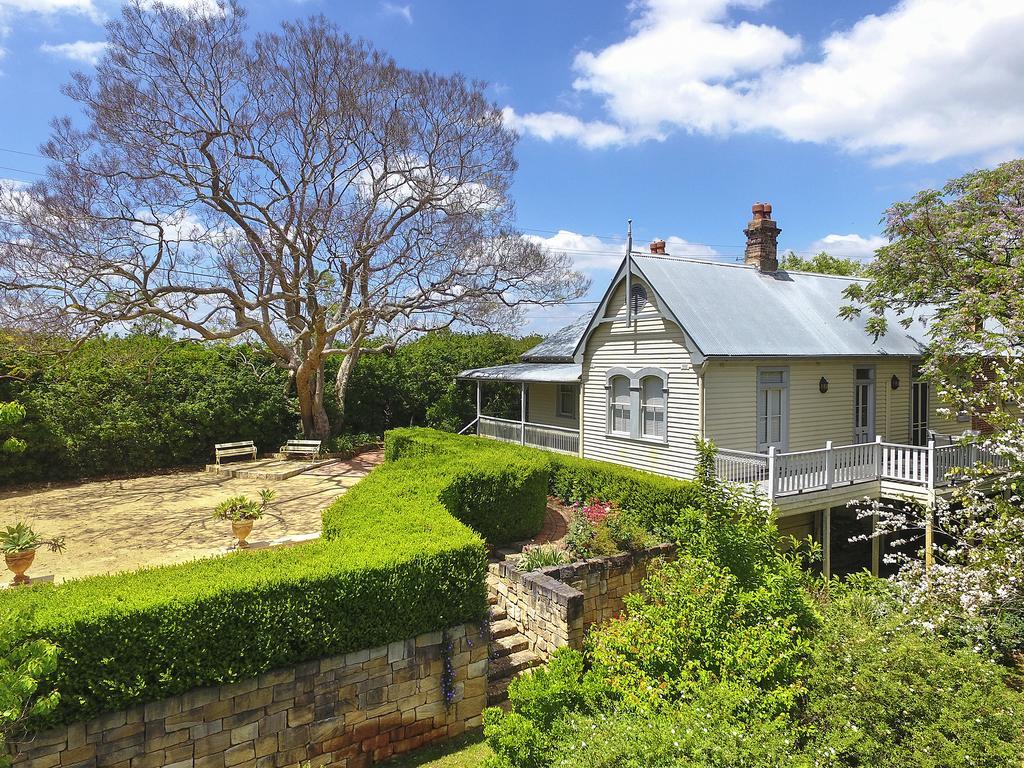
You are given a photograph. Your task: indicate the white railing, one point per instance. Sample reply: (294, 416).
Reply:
(741, 466)
(794, 472)
(547, 436)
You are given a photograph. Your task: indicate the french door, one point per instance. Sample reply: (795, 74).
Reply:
(772, 409)
(863, 405)
(919, 412)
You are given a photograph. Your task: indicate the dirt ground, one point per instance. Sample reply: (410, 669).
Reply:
(120, 525)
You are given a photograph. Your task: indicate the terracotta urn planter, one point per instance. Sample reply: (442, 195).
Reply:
(19, 562)
(241, 529)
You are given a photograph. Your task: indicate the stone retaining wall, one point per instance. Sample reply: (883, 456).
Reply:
(348, 711)
(554, 606)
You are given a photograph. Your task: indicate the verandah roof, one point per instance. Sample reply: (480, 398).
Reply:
(554, 373)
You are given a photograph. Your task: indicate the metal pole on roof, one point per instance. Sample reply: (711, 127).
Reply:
(629, 271)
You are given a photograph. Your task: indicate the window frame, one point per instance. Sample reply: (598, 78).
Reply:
(574, 397)
(635, 379)
(762, 408)
(642, 377)
(613, 404)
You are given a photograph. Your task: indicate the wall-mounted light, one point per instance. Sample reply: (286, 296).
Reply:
(894, 382)
(823, 385)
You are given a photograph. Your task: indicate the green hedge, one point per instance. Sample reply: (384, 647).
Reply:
(499, 490)
(654, 500)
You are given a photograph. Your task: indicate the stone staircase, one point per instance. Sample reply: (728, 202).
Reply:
(510, 653)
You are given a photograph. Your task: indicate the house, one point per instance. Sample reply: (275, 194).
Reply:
(800, 402)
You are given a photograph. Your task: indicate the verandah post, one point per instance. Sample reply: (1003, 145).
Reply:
(522, 414)
(478, 406)
(929, 532)
(830, 464)
(879, 458)
(771, 473)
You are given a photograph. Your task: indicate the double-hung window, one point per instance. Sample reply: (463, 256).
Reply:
(652, 407)
(619, 421)
(568, 394)
(772, 408)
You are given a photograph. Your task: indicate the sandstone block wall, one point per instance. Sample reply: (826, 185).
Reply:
(348, 711)
(555, 606)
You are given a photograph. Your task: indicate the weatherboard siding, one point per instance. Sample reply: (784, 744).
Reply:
(730, 391)
(542, 407)
(654, 342)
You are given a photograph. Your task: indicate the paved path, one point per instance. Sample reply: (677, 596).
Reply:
(119, 525)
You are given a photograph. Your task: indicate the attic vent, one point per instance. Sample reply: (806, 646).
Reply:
(639, 298)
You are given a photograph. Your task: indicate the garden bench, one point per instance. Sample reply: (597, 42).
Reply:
(241, 448)
(309, 448)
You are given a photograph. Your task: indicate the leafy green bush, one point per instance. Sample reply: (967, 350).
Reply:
(887, 693)
(654, 501)
(22, 665)
(143, 402)
(542, 556)
(499, 490)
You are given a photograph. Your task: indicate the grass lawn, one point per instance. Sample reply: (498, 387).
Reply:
(467, 751)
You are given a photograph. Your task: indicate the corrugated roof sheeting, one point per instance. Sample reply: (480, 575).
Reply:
(559, 346)
(736, 311)
(555, 373)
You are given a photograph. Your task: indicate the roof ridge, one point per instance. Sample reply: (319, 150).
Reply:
(713, 263)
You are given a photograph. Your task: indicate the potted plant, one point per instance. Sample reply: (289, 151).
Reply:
(19, 543)
(242, 511)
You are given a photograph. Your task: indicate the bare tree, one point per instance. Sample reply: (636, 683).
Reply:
(299, 187)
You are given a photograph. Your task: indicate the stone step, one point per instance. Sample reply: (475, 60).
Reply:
(492, 599)
(492, 571)
(497, 691)
(513, 664)
(503, 628)
(497, 614)
(507, 645)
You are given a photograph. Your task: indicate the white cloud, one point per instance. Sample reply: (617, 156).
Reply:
(591, 253)
(848, 246)
(557, 125)
(85, 51)
(403, 12)
(50, 6)
(927, 80)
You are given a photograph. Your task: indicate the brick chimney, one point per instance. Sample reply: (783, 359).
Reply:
(658, 246)
(762, 239)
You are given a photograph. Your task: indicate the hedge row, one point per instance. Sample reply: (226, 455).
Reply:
(654, 500)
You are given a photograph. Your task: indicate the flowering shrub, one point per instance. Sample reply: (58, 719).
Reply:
(594, 510)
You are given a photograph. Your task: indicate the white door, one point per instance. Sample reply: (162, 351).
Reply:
(772, 409)
(864, 405)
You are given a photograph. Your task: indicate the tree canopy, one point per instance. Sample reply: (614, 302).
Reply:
(296, 187)
(823, 263)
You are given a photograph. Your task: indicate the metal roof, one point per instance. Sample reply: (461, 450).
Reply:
(560, 345)
(735, 310)
(562, 373)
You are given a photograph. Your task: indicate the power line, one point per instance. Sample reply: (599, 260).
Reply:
(20, 170)
(21, 152)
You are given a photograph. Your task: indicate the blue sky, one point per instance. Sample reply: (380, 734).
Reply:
(677, 113)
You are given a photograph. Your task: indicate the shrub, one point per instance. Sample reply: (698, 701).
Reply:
(654, 501)
(542, 556)
(498, 490)
(22, 665)
(243, 508)
(884, 693)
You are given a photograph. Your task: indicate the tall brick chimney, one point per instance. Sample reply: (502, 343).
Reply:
(762, 239)
(658, 246)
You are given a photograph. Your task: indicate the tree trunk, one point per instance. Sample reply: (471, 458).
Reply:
(309, 387)
(348, 363)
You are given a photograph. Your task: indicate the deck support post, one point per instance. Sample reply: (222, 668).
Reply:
(929, 533)
(522, 414)
(876, 548)
(826, 542)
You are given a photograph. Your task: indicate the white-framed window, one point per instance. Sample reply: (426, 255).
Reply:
(652, 407)
(863, 404)
(772, 408)
(619, 409)
(568, 396)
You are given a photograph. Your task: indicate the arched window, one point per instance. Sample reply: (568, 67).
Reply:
(652, 407)
(618, 405)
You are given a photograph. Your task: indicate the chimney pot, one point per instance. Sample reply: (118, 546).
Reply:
(762, 233)
(658, 246)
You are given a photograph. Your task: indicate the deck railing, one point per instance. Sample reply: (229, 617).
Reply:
(795, 472)
(547, 436)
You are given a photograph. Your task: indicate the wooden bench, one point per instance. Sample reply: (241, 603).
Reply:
(241, 448)
(309, 448)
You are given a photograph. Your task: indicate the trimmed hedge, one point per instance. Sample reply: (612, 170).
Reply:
(498, 490)
(655, 501)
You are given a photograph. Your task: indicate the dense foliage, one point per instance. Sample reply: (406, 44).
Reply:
(732, 657)
(822, 264)
(145, 402)
(23, 664)
(414, 385)
(142, 403)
